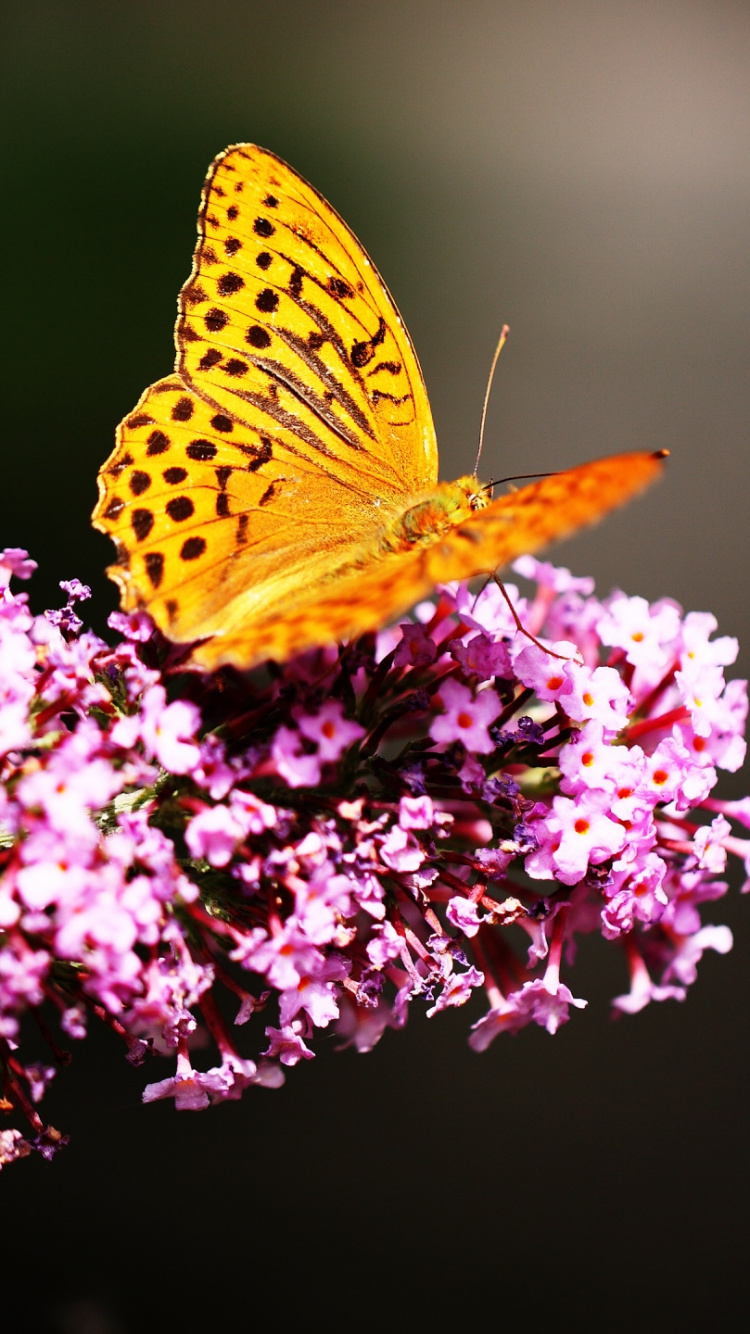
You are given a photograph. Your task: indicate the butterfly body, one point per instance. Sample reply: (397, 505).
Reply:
(279, 489)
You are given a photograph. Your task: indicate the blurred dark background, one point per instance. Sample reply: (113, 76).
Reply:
(579, 169)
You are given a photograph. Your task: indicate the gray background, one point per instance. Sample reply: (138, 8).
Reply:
(579, 170)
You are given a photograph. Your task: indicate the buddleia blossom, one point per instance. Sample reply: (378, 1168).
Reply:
(431, 815)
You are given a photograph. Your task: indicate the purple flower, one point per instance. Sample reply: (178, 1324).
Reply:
(575, 834)
(353, 833)
(330, 731)
(466, 716)
(166, 730)
(416, 648)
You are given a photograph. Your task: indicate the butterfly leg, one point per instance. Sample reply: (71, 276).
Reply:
(522, 628)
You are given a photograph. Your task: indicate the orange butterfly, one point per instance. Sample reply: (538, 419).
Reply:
(279, 490)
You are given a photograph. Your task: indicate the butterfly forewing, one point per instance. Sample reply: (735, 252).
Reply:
(285, 324)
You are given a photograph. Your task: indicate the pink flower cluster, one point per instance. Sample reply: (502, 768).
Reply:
(431, 812)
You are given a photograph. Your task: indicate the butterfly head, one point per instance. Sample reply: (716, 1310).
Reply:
(465, 497)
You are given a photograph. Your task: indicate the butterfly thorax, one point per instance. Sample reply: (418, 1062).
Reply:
(450, 504)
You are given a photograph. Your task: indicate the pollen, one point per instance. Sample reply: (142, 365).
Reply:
(588, 759)
(588, 700)
(464, 720)
(554, 682)
(328, 729)
(581, 826)
(660, 777)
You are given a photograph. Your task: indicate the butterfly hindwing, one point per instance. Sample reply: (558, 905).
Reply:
(208, 513)
(358, 601)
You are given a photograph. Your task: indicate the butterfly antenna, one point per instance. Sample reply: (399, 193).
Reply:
(498, 350)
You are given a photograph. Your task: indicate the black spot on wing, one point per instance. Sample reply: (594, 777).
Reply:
(230, 283)
(120, 464)
(201, 450)
(235, 367)
(363, 351)
(180, 508)
(182, 410)
(194, 294)
(393, 367)
(258, 454)
(257, 336)
(139, 482)
(192, 548)
(154, 562)
(215, 319)
(158, 443)
(267, 301)
(142, 521)
(339, 288)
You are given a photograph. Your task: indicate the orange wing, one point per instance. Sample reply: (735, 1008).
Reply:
(382, 589)
(286, 325)
(279, 490)
(297, 420)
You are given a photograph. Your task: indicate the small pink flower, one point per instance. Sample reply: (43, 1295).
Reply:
(457, 990)
(291, 761)
(600, 694)
(549, 676)
(575, 834)
(401, 851)
(643, 989)
(14, 561)
(463, 914)
(482, 657)
(329, 729)
(164, 730)
(416, 648)
(416, 812)
(286, 1045)
(466, 716)
(214, 834)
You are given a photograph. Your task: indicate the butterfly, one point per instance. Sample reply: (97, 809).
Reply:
(279, 491)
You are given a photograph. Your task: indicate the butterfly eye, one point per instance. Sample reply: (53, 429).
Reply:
(478, 502)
